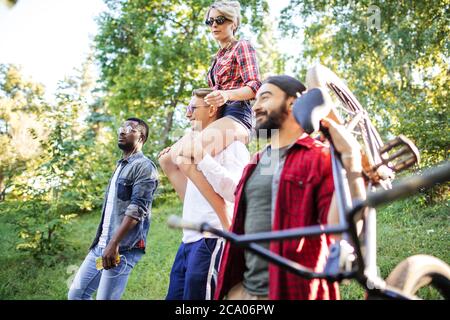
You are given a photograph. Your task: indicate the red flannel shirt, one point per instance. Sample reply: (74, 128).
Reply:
(235, 67)
(304, 197)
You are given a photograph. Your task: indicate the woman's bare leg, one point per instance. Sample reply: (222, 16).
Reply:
(221, 133)
(213, 139)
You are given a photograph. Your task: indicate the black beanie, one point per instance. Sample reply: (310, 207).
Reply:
(288, 84)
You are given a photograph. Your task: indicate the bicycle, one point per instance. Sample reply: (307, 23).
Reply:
(354, 257)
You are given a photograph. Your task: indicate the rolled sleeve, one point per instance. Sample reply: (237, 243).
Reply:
(135, 212)
(248, 65)
(144, 188)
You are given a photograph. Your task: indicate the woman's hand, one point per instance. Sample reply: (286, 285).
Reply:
(217, 98)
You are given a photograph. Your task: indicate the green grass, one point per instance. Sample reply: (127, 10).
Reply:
(404, 229)
(22, 278)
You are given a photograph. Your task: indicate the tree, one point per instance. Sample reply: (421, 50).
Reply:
(152, 54)
(271, 61)
(56, 157)
(393, 54)
(21, 102)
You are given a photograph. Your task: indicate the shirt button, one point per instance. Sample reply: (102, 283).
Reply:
(300, 184)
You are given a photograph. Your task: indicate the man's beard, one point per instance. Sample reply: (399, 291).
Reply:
(274, 121)
(126, 146)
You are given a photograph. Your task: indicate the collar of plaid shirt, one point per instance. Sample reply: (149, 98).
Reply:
(304, 196)
(234, 68)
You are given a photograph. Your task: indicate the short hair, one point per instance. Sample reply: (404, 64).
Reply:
(142, 124)
(201, 92)
(229, 9)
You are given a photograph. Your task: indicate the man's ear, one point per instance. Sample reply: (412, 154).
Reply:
(213, 111)
(290, 102)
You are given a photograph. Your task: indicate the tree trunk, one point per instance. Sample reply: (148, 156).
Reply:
(2, 188)
(169, 120)
(168, 127)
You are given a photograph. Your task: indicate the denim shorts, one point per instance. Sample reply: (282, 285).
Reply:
(240, 111)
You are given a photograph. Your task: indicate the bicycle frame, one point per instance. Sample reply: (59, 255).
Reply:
(375, 286)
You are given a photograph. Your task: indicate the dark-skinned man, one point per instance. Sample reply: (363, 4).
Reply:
(124, 223)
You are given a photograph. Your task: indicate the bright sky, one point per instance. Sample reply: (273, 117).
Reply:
(50, 38)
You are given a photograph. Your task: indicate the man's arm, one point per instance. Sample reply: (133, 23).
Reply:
(213, 198)
(167, 159)
(357, 191)
(220, 187)
(142, 195)
(225, 177)
(349, 149)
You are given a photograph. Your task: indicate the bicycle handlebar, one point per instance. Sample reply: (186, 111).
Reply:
(405, 187)
(178, 223)
(249, 244)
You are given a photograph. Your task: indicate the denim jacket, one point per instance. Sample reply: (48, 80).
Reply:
(135, 187)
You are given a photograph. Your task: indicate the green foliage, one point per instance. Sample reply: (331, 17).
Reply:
(71, 158)
(73, 163)
(398, 71)
(21, 101)
(40, 226)
(165, 194)
(394, 56)
(24, 94)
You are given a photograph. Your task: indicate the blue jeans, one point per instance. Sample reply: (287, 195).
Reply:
(109, 284)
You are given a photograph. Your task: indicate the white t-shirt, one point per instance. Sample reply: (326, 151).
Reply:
(108, 210)
(223, 172)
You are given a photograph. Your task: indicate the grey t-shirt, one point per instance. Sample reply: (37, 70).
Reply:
(258, 201)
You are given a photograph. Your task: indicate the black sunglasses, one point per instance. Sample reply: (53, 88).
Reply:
(220, 20)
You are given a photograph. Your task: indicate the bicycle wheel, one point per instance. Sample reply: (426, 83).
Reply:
(419, 271)
(348, 111)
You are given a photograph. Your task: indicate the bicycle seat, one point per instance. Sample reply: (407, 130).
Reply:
(310, 108)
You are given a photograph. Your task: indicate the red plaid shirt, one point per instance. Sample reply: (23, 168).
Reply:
(304, 197)
(234, 68)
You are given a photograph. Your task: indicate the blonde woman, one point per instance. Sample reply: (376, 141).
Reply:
(234, 78)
